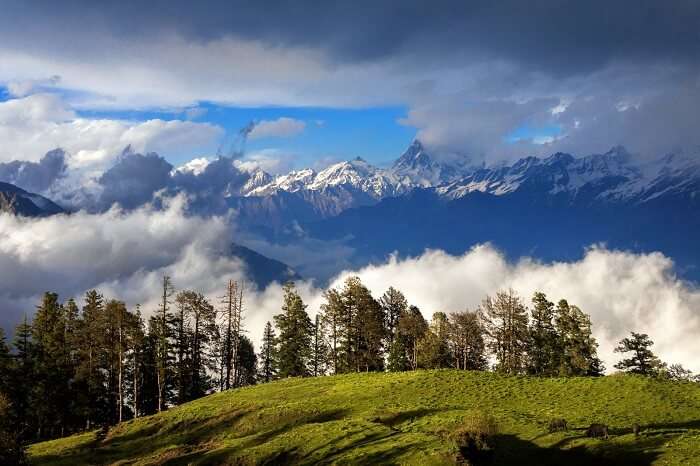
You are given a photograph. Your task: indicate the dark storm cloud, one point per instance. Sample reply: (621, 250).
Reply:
(35, 176)
(133, 180)
(556, 37)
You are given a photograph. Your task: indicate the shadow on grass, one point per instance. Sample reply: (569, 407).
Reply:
(509, 449)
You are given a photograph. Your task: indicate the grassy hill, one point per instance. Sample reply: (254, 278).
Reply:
(405, 418)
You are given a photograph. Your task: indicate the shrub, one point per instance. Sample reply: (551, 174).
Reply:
(473, 435)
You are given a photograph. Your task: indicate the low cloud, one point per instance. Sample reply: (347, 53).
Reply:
(282, 127)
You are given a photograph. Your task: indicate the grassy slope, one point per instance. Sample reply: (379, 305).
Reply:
(404, 418)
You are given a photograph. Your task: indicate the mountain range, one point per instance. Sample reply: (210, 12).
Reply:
(549, 208)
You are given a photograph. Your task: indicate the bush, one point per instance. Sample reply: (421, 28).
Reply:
(472, 437)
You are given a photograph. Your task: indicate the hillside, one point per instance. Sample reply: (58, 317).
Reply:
(405, 418)
(17, 201)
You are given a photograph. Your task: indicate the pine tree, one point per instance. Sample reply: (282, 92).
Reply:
(397, 360)
(332, 315)
(433, 346)
(267, 357)
(393, 303)
(319, 351)
(295, 330)
(163, 350)
(5, 364)
(22, 377)
(90, 383)
(577, 347)
(365, 331)
(466, 336)
(642, 361)
(247, 363)
(412, 326)
(543, 346)
(506, 321)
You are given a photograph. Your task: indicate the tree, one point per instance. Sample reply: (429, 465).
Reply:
(11, 450)
(543, 347)
(412, 326)
(163, 351)
(577, 347)
(433, 346)
(397, 360)
(332, 315)
(233, 317)
(247, 363)
(319, 351)
(295, 330)
(355, 324)
(267, 357)
(506, 324)
(466, 337)
(200, 319)
(393, 304)
(642, 361)
(679, 373)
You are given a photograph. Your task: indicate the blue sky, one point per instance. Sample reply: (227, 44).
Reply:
(374, 134)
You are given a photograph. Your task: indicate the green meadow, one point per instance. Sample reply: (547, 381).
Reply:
(406, 418)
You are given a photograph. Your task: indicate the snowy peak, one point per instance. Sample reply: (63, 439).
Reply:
(418, 167)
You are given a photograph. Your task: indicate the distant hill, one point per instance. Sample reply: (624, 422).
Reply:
(17, 201)
(261, 269)
(406, 418)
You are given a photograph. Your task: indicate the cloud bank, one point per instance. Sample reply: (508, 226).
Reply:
(125, 254)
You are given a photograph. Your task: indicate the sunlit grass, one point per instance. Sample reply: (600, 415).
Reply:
(406, 418)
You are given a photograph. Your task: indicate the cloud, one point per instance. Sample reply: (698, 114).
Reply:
(282, 127)
(34, 125)
(122, 253)
(35, 176)
(449, 66)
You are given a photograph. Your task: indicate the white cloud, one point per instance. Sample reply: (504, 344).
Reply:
(33, 125)
(282, 127)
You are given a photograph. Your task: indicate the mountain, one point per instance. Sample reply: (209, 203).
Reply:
(406, 418)
(17, 201)
(261, 269)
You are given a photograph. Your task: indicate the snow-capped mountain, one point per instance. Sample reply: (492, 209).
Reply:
(610, 177)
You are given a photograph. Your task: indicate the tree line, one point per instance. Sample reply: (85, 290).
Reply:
(73, 368)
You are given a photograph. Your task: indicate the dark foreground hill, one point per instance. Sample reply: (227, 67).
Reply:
(406, 418)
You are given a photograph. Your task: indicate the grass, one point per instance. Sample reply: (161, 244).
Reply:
(405, 418)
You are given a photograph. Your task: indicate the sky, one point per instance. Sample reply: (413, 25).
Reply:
(489, 81)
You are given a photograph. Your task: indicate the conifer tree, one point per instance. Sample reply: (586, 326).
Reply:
(267, 357)
(642, 360)
(247, 363)
(577, 347)
(506, 324)
(393, 303)
(397, 360)
(467, 341)
(163, 357)
(332, 317)
(412, 326)
(295, 331)
(544, 343)
(319, 351)
(433, 346)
